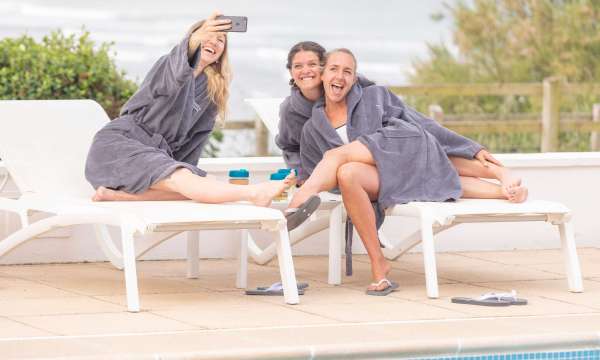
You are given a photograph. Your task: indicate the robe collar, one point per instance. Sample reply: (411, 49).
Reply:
(320, 117)
(300, 104)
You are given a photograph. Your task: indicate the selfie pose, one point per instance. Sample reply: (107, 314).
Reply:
(374, 148)
(151, 150)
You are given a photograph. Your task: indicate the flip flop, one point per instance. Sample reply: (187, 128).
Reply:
(492, 299)
(278, 285)
(295, 217)
(273, 290)
(385, 291)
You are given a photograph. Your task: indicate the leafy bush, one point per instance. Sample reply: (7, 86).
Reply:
(507, 41)
(62, 67)
(68, 67)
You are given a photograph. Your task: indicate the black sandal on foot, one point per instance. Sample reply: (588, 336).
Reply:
(302, 213)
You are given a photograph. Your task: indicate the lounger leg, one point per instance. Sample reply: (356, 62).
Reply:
(569, 250)
(131, 281)
(193, 249)
(429, 257)
(108, 246)
(286, 268)
(336, 239)
(241, 281)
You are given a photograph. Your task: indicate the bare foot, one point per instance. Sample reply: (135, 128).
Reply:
(265, 192)
(380, 272)
(517, 194)
(510, 183)
(104, 194)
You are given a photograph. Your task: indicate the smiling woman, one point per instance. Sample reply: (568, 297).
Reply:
(375, 149)
(151, 150)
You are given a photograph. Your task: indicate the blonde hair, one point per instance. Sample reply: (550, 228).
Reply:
(219, 77)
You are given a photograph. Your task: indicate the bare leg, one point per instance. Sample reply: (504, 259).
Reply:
(359, 184)
(105, 194)
(511, 184)
(475, 188)
(183, 184)
(324, 176)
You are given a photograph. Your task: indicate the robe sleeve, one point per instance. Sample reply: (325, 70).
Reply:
(172, 70)
(287, 140)
(310, 154)
(165, 78)
(453, 143)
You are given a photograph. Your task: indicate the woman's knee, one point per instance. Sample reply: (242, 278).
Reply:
(346, 174)
(174, 181)
(338, 155)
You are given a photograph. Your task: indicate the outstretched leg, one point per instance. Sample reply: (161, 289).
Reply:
(183, 184)
(512, 188)
(106, 194)
(475, 188)
(324, 176)
(359, 184)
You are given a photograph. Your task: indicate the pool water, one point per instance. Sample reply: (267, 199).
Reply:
(585, 354)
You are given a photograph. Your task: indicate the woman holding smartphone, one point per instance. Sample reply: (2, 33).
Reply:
(372, 146)
(151, 150)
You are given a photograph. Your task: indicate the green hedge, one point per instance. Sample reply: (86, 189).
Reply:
(68, 67)
(62, 67)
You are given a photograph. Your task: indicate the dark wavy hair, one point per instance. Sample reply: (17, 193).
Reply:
(305, 46)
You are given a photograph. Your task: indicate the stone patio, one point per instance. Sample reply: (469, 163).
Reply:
(78, 310)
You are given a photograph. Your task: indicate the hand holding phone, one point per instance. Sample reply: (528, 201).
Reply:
(238, 23)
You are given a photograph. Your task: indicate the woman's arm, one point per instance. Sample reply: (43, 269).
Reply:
(288, 138)
(171, 71)
(453, 143)
(310, 154)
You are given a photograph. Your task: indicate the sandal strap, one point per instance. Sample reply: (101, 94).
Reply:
(381, 282)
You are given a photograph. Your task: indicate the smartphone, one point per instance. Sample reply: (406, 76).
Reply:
(238, 23)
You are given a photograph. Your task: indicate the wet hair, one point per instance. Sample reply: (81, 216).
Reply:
(305, 46)
(341, 50)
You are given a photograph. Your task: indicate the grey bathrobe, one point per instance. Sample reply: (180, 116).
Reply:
(163, 126)
(413, 164)
(410, 150)
(294, 111)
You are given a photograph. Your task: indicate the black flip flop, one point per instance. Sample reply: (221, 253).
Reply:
(392, 286)
(275, 289)
(492, 299)
(296, 218)
(482, 302)
(300, 285)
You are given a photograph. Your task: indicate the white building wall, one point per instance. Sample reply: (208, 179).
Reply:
(570, 178)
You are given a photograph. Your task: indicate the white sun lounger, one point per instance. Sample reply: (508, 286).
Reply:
(44, 145)
(435, 217)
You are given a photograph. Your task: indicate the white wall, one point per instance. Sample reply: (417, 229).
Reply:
(570, 178)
